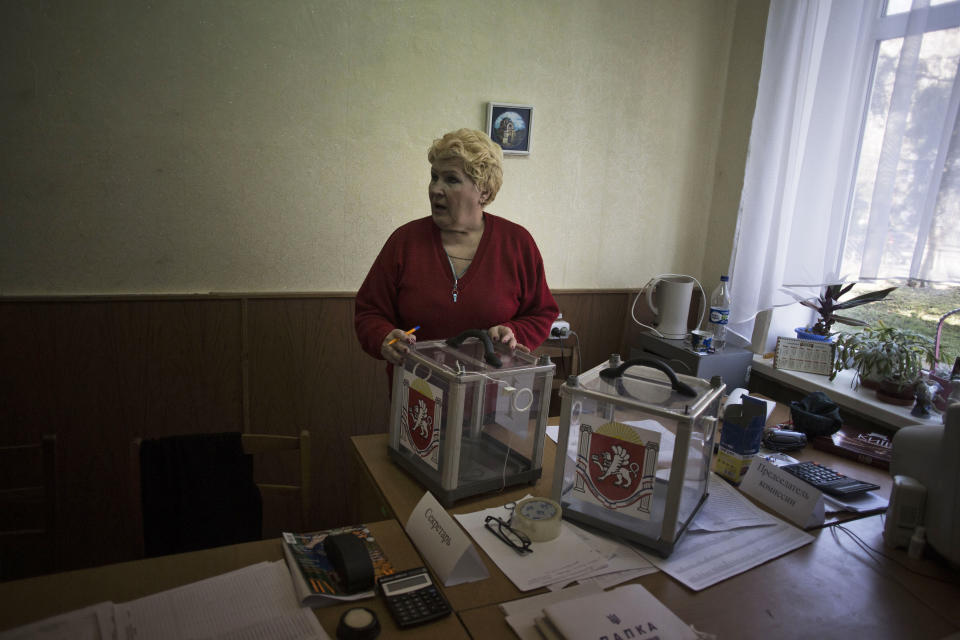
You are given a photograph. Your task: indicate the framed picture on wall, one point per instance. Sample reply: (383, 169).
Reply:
(510, 126)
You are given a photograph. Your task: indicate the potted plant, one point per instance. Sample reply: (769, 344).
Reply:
(893, 359)
(827, 306)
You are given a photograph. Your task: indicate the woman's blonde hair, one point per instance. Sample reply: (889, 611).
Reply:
(482, 158)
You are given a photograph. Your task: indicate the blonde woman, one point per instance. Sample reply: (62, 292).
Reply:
(459, 268)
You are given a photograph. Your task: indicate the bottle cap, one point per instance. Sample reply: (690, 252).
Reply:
(725, 278)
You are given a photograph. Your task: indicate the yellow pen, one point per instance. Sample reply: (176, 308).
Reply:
(406, 333)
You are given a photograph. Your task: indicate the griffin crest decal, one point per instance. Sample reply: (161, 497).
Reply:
(420, 419)
(616, 464)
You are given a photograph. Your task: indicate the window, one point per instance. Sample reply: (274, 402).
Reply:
(853, 171)
(904, 217)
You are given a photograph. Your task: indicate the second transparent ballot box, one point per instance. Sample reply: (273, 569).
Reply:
(468, 416)
(634, 449)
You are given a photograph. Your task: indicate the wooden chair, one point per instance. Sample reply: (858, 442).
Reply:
(254, 444)
(257, 443)
(28, 508)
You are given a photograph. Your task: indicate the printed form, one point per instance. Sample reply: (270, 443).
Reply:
(718, 551)
(254, 602)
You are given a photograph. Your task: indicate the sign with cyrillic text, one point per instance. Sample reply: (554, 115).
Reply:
(443, 544)
(786, 494)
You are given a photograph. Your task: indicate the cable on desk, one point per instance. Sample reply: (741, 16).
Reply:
(886, 574)
(866, 547)
(579, 358)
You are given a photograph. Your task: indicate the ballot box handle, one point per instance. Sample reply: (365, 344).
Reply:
(613, 373)
(488, 353)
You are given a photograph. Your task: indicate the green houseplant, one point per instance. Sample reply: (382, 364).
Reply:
(889, 359)
(828, 304)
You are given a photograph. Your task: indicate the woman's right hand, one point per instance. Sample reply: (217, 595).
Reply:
(393, 353)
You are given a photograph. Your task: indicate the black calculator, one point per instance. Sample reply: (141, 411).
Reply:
(412, 598)
(828, 480)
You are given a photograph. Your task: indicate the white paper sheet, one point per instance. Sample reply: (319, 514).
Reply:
(256, 602)
(860, 503)
(565, 558)
(90, 623)
(702, 559)
(622, 559)
(726, 509)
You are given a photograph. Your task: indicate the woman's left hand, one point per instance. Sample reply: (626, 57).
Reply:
(505, 335)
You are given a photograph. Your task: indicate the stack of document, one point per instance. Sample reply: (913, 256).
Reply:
(574, 555)
(254, 602)
(586, 612)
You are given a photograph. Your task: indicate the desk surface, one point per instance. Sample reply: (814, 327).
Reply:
(33, 599)
(830, 588)
(402, 493)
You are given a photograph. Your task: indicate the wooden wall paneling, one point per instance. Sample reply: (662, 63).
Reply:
(98, 372)
(597, 318)
(306, 371)
(101, 371)
(176, 366)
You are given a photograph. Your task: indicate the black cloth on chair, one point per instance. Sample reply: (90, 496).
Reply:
(198, 492)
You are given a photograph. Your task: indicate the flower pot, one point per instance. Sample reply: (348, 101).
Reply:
(889, 392)
(804, 334)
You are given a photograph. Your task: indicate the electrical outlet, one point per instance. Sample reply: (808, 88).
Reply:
(560, 328)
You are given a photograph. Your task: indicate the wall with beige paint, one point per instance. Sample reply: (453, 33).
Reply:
(179, 146)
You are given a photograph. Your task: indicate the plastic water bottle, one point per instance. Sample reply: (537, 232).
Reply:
(720, 313)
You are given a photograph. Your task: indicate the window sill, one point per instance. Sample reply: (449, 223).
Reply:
(861, 401)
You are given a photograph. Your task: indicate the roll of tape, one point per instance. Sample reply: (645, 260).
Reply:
(539, 518)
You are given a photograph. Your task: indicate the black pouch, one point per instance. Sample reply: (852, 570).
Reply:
(816, 415)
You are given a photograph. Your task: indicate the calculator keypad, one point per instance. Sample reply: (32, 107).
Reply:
(418, 606)
(828, 480)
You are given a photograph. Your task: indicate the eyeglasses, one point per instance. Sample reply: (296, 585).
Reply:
(516, 540)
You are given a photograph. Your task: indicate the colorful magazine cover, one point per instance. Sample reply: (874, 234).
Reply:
(314, 578)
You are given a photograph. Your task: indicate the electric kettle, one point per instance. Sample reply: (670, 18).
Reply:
(668, 297)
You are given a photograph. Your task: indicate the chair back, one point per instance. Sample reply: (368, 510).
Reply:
(261, 443)
(28, 506)
(198, 491)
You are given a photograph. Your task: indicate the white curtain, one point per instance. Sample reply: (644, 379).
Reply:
(905, 212)
(817, 59)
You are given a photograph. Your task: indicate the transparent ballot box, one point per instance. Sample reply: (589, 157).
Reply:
(468, 416)
(634, 450)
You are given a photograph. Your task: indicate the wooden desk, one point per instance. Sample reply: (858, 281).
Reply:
(401, 493)
(846, 466)
(33, 599)
(830, 588)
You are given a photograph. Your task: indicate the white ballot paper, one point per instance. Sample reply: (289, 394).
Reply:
(90, 623)
(254, 602)
(443, 544)
(703, 559)
(726, 509)
(564, 559)
(624, 562)
(860, 503)
(788, 495)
